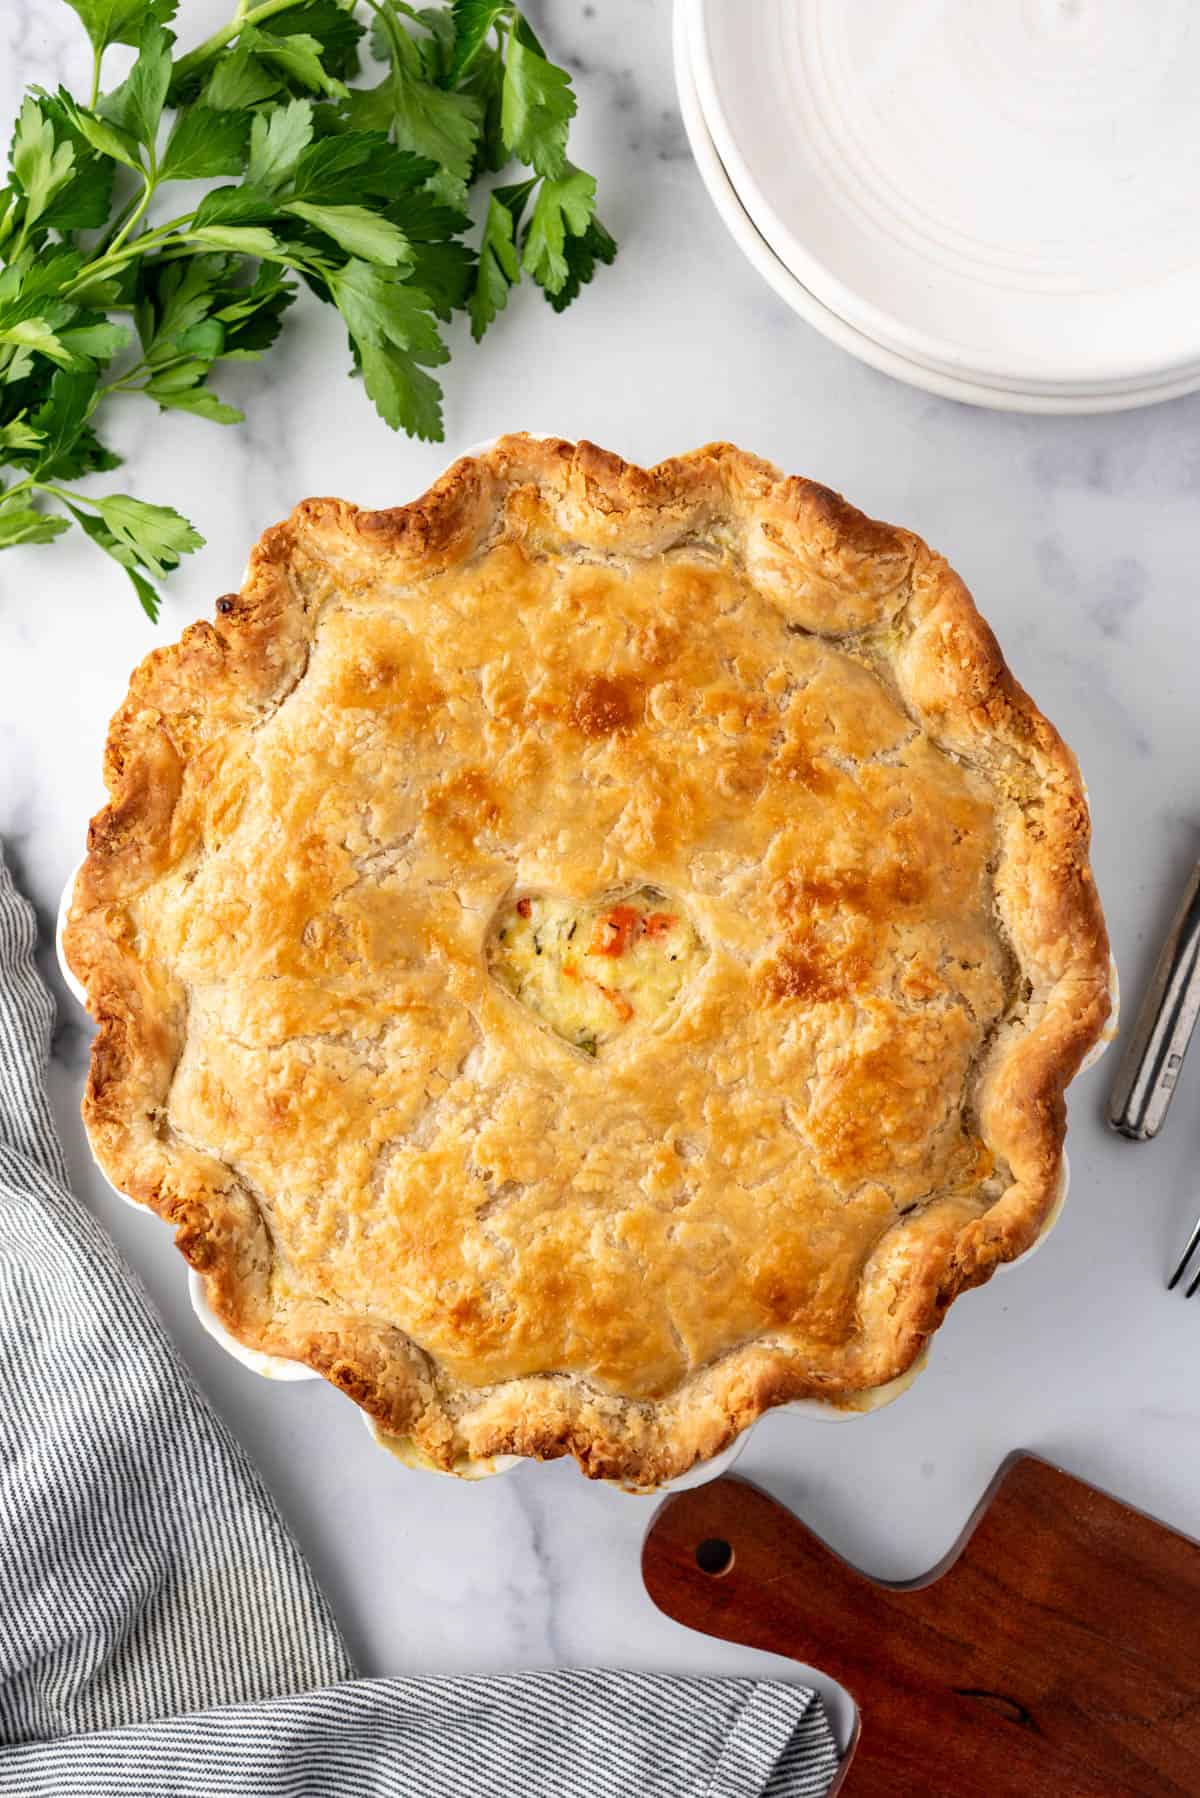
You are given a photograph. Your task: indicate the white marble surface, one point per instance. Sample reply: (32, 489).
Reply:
(1080, 539)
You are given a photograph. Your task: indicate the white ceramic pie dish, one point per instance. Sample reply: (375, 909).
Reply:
(948, 382)
(275, 1367)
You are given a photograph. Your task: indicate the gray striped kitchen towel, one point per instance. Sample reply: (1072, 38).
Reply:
(160, 1633)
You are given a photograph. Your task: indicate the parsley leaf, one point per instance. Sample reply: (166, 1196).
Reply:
(395, 338)
(345, 166)
(405, 396)
(120, 21)
(83, 204)
(499, 260)
(424, 217)
(562, 208)
(176, 296)
(156, 535)
(18, 438)
(252, 316)
(136, 106)
(378, 309)
(143, 539)
(474, 20)
(297, 57)
(205, 142)
(359, 231)
(277, 139)
(41, 163)
(99, 339)
(437, 50)
(331, 25)
(60, 420)
(485, 81)
(245, 240)
(433, 123)
(106, 138)
(28, 336)
(244, 205)
(22, 524)
(240, 81)
(182, 389)
(537, 105)
(444, 273)
(198, 313)
(429, 120)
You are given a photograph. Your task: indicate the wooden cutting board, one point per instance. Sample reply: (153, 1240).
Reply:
(1054, 1653)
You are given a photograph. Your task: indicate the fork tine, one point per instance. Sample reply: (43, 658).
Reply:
(1193, 1245)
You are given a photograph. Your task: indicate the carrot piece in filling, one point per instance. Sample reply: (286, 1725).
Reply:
(618, 1001)
(616, 930)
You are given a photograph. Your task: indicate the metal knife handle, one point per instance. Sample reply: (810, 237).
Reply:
(1150, 1066)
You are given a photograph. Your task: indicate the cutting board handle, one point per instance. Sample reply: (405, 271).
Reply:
(1054, 1653)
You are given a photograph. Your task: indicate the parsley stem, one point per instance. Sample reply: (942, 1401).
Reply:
(65, 493)
(115, 258)
(105, 243)
(212, 46)
(97, 59)
(186, 245)
(151, 182)
(127, 383)
(121, 384)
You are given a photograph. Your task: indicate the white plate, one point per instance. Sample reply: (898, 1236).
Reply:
(1001, 187)
(876, 355)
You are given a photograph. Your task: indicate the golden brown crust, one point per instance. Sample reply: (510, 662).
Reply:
(556, 669)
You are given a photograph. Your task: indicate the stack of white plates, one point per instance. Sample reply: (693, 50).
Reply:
(996, 200)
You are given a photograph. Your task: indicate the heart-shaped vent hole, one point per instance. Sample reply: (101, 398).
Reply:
(591, 969)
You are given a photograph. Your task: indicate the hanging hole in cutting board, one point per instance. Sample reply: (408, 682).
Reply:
(714, 1556)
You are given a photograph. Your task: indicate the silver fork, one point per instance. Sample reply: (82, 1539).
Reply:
(1149, 1071)
(1176, 1277)
(1150, 1067)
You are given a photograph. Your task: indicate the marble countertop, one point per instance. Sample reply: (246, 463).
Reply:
(1080, 539)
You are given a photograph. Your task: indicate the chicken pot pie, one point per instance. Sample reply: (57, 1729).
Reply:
(589, 955)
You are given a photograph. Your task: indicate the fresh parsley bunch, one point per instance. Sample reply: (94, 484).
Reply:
(361, 192)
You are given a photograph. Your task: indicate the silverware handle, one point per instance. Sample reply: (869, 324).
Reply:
(1150, 1066)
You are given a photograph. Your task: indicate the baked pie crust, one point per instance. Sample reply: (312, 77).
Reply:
(560, 676)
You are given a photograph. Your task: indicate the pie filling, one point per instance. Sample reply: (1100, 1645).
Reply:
(591, 970)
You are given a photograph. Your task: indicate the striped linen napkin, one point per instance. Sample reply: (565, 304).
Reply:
(160, 1632)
